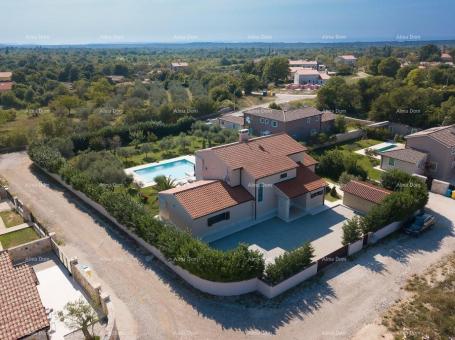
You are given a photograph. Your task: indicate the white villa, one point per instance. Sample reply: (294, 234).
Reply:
(244, 183)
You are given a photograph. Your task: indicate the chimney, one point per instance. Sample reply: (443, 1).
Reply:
(244, 135)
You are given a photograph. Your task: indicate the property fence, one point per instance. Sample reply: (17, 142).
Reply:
(239, 287)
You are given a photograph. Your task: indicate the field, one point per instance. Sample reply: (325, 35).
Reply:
(429, 311)
(18, 237)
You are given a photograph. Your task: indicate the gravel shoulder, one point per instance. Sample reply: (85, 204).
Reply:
(153, 303)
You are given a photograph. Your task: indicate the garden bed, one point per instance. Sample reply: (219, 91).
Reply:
(11, 218)
(18, 237)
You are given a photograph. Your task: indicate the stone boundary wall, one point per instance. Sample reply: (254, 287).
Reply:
(439, 187)
(222, 288)
(31, 249)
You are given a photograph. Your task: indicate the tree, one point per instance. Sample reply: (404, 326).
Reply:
(389, 67)
(340, 123)
(250, 83)
(79, 315)
(352, 230)
(163, 183)
(275, 106)
(146, 148)
(276, 69)
(67, 102)
(429, 52)
(448, 109)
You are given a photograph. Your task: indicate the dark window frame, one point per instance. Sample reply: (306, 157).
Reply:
(224, 216)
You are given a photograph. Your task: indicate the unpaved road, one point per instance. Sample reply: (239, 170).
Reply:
(153, 304)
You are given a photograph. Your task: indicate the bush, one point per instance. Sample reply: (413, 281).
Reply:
(289, 264)
(352, 230)
(378, 133)
(46, 157)
(394, 179)
(333, 163)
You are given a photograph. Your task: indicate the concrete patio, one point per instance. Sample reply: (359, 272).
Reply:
(323, 230)
(56, 288)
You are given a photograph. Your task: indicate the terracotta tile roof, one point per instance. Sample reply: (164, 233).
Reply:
(284, 116)
(21, 310)
(305, 181)
(308, 160)
(442, 134)
(348, 57)
(303, 62)
(366, 191)
(202, 198)
(6, 86)
(261, 157)
(6, 74)
(405, 155)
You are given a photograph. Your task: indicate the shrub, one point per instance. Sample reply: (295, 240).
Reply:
(334, 162)
(394, 179)
(289, 264)
(352, 230)
(46, 157)
(333, 192)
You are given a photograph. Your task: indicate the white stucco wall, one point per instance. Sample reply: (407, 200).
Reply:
(409, 168)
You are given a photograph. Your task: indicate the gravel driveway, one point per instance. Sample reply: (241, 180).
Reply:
(152, 303)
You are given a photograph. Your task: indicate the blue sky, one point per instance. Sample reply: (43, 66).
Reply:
(116, 21)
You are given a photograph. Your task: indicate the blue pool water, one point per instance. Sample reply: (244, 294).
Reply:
(176, 170)
(385, 148)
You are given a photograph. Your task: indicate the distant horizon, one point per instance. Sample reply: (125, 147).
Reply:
(84, 22)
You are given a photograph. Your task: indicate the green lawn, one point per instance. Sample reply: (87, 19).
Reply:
(330, 198)
(18, 237)
(11, 218)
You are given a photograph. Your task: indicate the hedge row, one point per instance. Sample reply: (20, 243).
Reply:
(81, 141)
(178, 246)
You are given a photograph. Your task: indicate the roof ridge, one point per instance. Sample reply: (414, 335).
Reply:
(372, 186)
(208, 181)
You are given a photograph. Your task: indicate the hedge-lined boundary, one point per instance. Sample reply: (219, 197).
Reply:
(177, 246)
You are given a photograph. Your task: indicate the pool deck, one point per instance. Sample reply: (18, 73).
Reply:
(138, 180)
(323, 230)
(380, 146)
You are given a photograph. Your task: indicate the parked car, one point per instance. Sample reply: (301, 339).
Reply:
(419, 224)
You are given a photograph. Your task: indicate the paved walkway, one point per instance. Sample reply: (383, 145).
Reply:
(5, 230)
(152, 303)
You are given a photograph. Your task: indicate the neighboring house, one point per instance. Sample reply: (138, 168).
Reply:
(327, 121)
(6, 86)
(362, 196)
(299, 123)
(346, 59)
(446, 58)
(6, 76)
(179, 66)
(230, 121)
(439, 144)
(310, 76)
(244, 183)
(116, 79)
(22, 314)
(304, 64)
(407, 160)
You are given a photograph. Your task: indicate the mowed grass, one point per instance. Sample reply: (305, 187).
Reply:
(152, 199)
(367, 163)
(429, 313)
(18, 237)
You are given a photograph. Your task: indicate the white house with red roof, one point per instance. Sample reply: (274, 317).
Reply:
(244, 183)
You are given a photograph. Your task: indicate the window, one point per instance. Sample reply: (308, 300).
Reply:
(391, 161)
(314, 132)
(308, 120)
(266, 121)
(274, 123)
(319, 193)
(260, 192)
(261, 120)
(284, 175)
(432, 166)
(218, 218)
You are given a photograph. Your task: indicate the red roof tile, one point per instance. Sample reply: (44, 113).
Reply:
(202, 198)
(21, 310)
(366, 191)
(305, 181)
(263, 156)
(6, 86)
(309, 161)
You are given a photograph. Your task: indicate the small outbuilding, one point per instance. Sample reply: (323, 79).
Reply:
(362, 196)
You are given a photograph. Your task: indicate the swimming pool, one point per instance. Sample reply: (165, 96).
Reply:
(385, 148)
(179, 169)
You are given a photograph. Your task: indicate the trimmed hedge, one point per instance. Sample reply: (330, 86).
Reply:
(289, 264)
(178, 246)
